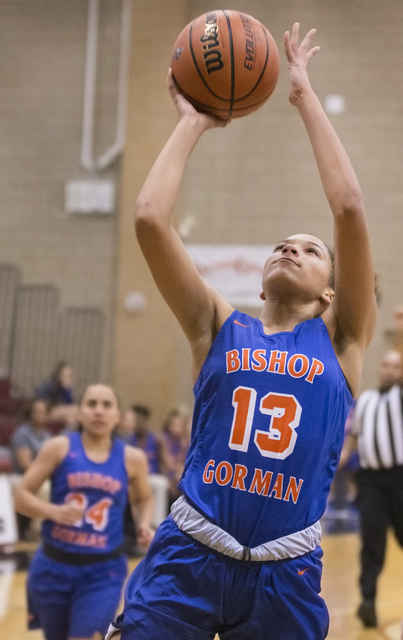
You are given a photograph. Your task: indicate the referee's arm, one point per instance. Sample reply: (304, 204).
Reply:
(349, 447)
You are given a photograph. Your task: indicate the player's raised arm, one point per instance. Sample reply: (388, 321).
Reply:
(191, 300)
(351, 317)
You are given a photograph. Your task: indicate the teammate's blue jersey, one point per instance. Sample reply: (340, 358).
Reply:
(101, 489)
(268, 428)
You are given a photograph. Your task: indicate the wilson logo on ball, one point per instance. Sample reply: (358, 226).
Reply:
(228, 64)
(177, 53)
(212, 56)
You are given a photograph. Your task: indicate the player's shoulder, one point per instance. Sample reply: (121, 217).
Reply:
(56, 447)
(135, 459)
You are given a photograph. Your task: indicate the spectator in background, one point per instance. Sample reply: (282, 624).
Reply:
(135, 430)
(25, 444)
(125, 429)
(175, 447)
(58, 392)
(144, 438)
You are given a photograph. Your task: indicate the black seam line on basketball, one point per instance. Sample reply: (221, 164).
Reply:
(263, 70)
(231, 47)
(248, 107)
(198, 70)
(240, 107)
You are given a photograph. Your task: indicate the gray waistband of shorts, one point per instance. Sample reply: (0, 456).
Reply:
(192, 522)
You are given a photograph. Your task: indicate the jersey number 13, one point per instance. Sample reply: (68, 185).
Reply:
(285, 414)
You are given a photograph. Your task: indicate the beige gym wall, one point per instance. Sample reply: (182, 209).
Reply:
(42, 63)
(146, 341)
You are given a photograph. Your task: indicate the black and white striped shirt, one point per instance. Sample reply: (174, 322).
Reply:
(378, 425)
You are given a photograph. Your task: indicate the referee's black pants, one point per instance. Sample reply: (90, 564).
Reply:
(380, 504)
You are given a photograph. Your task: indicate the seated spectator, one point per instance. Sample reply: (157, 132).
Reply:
(125, 428)
(144, 438)
(58, 392)
(135, 430)
(25, 444)
(175, 447)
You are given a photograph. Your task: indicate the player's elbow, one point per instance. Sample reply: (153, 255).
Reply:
(350, 205)
(146, 218)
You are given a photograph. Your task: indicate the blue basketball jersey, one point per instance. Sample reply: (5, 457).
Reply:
(101, 489)
(267, 431)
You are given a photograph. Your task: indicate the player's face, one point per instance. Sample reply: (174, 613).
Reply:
(99, 411)
(300, 267)
(39, 413)
(390, 370)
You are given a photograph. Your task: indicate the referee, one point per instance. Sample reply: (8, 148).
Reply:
(378, 435)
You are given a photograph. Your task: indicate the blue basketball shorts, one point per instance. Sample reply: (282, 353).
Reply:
(70, 601)
(184, 590)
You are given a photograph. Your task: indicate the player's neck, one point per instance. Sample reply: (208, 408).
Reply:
(279, 316)
(97, 448)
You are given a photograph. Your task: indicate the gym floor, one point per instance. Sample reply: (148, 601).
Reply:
(339, 590)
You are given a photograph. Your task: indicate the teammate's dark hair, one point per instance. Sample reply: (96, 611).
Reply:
(141, 410)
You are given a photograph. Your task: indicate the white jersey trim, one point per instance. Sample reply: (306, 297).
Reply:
(193, 523)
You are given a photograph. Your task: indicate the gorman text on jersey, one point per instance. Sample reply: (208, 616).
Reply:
(260, 482)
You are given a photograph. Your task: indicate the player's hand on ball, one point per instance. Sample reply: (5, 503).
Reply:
(184, 108)
(298, 56)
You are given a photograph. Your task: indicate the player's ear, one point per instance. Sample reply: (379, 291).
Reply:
(327, 296)
(262, 295)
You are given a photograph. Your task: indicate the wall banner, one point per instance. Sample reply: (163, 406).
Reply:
(235, 271)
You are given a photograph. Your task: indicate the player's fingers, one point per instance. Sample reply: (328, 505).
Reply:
(172, 88)
(312, 53)
(306, 42)
(287, 46)
(294, 35)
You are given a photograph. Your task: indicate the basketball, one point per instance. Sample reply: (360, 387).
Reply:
(225, 63)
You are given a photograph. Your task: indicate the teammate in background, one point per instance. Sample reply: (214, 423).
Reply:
(76, 576)
(239, 554)
(377, 434)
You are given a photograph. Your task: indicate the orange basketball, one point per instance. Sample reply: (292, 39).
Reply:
(225, 63)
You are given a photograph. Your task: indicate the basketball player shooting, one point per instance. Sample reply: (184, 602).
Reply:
(240, 553)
